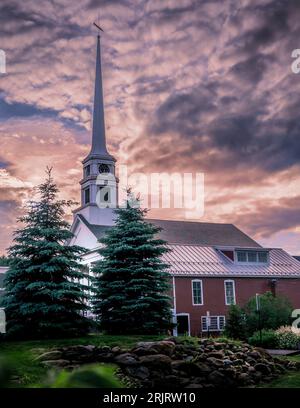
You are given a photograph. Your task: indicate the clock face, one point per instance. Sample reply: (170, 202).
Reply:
(103, 168)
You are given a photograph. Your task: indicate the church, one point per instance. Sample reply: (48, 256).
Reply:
(212, 265)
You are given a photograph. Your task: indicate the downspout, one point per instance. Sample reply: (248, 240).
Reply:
(174, 305)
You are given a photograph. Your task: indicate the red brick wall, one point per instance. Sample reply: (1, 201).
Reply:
(214, 296)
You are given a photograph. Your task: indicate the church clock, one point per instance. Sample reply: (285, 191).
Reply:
(103, 168)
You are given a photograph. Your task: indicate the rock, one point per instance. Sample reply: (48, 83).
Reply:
(139, 372)
(254, 355)
(216, 354)
(125, 359)
(152, 347)
(214, 362)
(237, 362)
(160, 361)
(173, 364)
(243, 378)
(263, 368)
(216, 378)
(50, 355)
(203, 368)
(219, 346)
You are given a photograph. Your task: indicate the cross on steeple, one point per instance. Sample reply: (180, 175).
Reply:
(99, 28)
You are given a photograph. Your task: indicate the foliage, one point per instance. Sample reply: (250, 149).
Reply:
(268, 339)
(131, 281)
(92, 376)
(43, 294)
(28, 371)
(288, 338)
(4, 260)
(275, 311)
(236, 327)
(288, 329)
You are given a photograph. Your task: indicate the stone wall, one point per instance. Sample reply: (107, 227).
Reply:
(176, 363)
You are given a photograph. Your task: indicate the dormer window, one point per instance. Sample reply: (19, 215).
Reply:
(251, 256)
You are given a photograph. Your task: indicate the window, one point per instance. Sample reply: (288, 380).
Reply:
(197, 292)
(86, 196)
(87, 170)
(252, 256)
(217, 323)
(229, 287)
(242, 256)
(262, 257)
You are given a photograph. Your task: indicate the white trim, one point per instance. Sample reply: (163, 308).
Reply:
(189, 323)
(218, 323)
(251, 250)
(202, 300)
(233, 285)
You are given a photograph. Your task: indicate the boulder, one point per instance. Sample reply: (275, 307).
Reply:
(216, 354)
(125, 359)
(215, 362)
(216, 378)
(152, 347)
(157, 361)
(263, 368)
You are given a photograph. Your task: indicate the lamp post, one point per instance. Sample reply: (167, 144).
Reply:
(258, 310)
(208, 321)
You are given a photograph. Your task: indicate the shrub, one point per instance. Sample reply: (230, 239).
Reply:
(236, 323)
(268, 339)
(274, 312)
(288, 338)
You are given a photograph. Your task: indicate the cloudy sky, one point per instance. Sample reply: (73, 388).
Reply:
(190, 86)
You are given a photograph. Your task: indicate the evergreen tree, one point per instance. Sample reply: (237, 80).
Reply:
(43, 294)
(4, 260)
(236, 326)
(131, 282)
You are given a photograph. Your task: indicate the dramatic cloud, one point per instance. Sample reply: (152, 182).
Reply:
(190, 86)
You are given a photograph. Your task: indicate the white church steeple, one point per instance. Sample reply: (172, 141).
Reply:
(98, 182)
(98, 135)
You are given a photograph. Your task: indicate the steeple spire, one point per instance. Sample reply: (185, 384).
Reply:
(98, 137)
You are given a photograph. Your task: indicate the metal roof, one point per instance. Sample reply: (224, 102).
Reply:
(195, 260)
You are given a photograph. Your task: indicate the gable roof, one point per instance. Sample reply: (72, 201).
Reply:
(194, 260)
(193, 233)
(203, 233)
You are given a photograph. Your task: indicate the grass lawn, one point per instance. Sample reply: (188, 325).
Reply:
(28, 372)
(288, 380)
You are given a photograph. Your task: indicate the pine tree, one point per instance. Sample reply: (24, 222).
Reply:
(236, 326)
(43, 294)
(131, 281)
